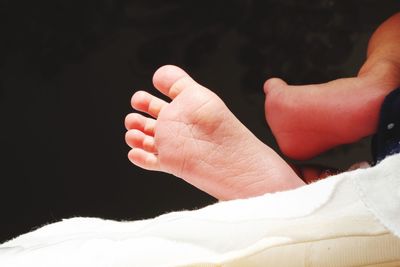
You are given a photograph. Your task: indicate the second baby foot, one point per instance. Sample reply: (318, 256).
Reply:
(307, 120)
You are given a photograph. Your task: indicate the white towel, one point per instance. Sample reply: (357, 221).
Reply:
(350, 219)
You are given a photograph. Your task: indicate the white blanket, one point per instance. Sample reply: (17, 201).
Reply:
(351, 219)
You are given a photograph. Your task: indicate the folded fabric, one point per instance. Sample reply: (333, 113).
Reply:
(351, 219)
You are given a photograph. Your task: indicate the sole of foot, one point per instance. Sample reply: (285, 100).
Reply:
(194, 136)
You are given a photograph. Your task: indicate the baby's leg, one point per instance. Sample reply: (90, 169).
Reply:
(310, 119)
(307, 120)
(197, 138)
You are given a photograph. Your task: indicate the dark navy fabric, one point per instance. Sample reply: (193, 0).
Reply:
(386, 141)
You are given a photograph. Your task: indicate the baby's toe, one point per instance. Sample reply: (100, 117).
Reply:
(147, 103)
(143, 159)
(141, 123)
(171, 80)
(137, 139)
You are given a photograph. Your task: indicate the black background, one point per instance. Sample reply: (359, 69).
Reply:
(69, 68)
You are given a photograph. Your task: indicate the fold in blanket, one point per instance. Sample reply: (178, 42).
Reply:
(350, 219)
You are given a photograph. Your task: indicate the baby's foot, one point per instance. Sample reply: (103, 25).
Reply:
(197, 138)
(310, 119)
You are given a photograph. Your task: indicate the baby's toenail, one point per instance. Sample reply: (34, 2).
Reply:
(390, 126)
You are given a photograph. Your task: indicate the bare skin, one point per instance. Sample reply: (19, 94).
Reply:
(310, 119)
(197, 138)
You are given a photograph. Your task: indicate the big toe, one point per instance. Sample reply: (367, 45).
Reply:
(167, 79)
(273, 84)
